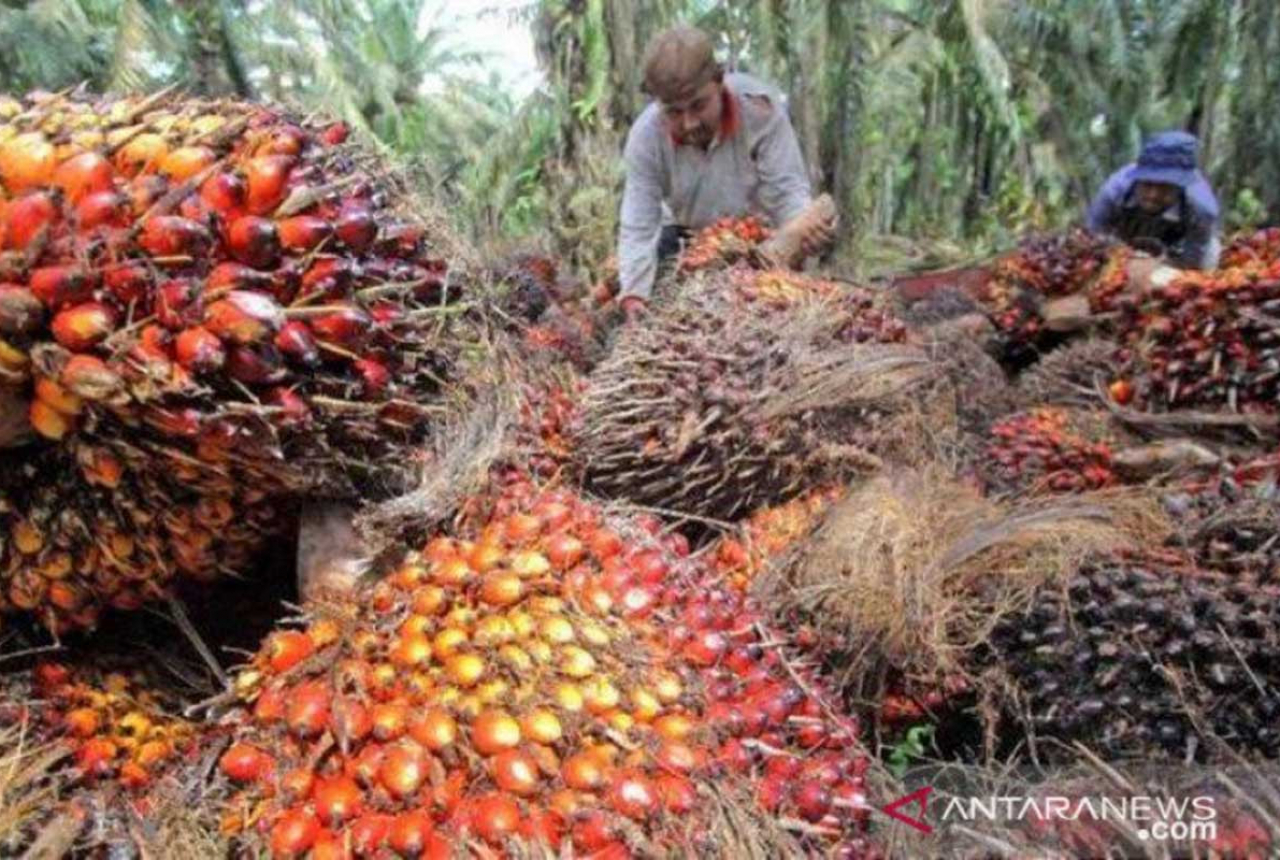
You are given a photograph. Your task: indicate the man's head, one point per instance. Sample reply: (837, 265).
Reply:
(1166, 166)
(681, 72)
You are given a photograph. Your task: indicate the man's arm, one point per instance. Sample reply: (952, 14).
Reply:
(641, 218)
(1106, 204)
(1201, 248)
(784, 183)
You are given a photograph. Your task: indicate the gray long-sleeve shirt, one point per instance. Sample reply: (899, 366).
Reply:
(756, 169)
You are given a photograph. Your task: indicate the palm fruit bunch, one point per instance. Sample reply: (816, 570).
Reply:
(1048, 450)
(547, 414)
(1260, 247)
(117, 723)
(1232, 520)
(770, 532)
(1144, 654)
(1071, 375)
(212, 297)
(84, 533)
(1206, 340)
(718, 404)
(1046, 267)
(558, 677)
(723, 243)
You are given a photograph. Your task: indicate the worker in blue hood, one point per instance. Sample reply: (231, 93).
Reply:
(1162, 202)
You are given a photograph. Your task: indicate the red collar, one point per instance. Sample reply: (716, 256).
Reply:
(730, 117)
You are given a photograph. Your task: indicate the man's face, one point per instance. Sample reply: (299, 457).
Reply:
(694, 121)
(1154, 197)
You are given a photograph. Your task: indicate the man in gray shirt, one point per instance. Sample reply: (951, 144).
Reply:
(710, 146)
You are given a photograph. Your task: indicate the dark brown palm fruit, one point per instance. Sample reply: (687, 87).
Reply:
(711, 404)
(1146, 655)
(226, 298)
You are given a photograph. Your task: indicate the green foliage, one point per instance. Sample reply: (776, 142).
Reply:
(913, 746)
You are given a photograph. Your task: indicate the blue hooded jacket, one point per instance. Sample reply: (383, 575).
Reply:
(1189, 228)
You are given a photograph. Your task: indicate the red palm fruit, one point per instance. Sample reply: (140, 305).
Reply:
(812, 800)
(328, 278)
(337, 799)
(350, 720)
(374, 376)
(102, 209)
(145, 191)
(389, 720)
(89, 377)
(193, 207)
(47, 421)
(268, 177)
(329, 846)
(236, 276)
(178, 304)
(678, 794)
(174, 236)
(254, 241)
(294, 833)
(413, 834)
(296, 342)
(270, 706)
(516, 772)
(84, 326)
(542, 826)
(286, 140)
(96, 757)
(307, 710)
(369, 833)
(225, 193)
(403, 770)
(287, 648)
(286, 279)
(401, 239)
(129, 282)
(494, 817)
(245, 763)
(303, 232)
(386, 314)
(294, 411)
(335, 134)
(178, 423)
(21, 311)
(185, 162)
(27, 217)
(592, 832)
(256, 365)
(356, 228)
(59, 286)
(244, 317)
(83, 174)
(345, 325)
(26, 161)
(632, 794)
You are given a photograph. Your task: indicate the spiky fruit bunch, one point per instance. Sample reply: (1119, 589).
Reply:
(117, 724)
(218, 295)
(1232, 520)
(1206, 341)
(770, 532)
(1049, 449)
(723, 243)
(1148, 655)
(559, 677)
(712, 404)
(84, 534)
(1049, 267)
(1071, 375)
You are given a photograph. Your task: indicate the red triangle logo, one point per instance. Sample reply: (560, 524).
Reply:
(921, 797)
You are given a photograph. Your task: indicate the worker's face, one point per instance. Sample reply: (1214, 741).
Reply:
(1155, 197)
(694, 121)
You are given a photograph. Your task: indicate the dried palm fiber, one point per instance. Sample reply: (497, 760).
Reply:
(940, 305)
(746, 389)
(1071, 375)
(910, 572)
(1143, 654)
(216, 299)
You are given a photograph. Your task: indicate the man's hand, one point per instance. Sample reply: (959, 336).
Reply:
(634, 307)
(820, 237)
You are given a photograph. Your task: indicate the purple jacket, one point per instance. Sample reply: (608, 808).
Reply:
(1188, 229)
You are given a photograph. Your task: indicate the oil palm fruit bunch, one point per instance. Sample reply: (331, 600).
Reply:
(1050, 266)
(770, 532)
(217, 295)
(1050, 449)
(722, 244)
(556, 677)
(1232, 520)
(1144, 654)
(84, 532)
(118, 724)
(1206, 340)
(717, 403)
(1261, 247)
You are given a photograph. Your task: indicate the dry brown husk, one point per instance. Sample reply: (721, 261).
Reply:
(912, 569)
(1070, 375)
